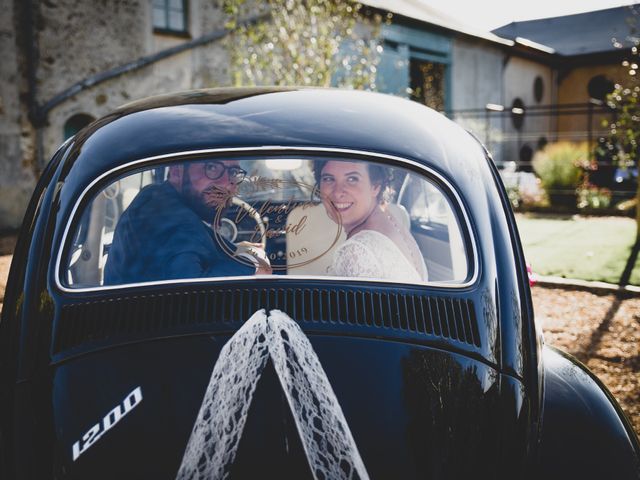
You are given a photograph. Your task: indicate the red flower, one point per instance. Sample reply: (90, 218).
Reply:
(532, 276)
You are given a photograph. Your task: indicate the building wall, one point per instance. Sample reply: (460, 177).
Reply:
(404, 43)
(477, 79)
(128, 34)
(572, 88)
(75, 40)
(519, 80)
(476, 74)
(17, 176)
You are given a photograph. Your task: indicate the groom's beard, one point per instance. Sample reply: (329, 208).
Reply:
(207, 202)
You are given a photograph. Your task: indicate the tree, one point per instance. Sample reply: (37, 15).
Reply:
(303, 42)
(623, 139)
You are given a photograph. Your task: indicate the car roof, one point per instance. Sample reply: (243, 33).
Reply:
(283, 117)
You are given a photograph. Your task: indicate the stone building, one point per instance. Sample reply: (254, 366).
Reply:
(68, 62)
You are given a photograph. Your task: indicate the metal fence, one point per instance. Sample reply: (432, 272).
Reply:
(514, 134)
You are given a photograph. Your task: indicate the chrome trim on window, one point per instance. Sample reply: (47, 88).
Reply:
(258, 150)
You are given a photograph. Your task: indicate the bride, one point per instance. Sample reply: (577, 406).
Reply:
(378, 245)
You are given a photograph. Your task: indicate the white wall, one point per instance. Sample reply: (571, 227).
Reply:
(519, 77)
(477, 79)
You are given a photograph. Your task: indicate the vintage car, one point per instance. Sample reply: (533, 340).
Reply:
(285, 283)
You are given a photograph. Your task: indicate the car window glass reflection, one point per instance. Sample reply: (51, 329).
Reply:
(215, 217)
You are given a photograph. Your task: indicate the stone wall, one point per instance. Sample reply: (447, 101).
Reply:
(74, 40)
(77, 39)
(17, 138)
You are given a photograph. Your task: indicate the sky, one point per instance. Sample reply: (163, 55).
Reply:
(489, 14)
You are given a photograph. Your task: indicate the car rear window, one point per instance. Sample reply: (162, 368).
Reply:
(219, 217)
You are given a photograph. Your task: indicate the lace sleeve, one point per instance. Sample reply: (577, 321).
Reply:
(353, 259)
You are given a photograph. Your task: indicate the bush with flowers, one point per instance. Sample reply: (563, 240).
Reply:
(593, 197)
(560, 169)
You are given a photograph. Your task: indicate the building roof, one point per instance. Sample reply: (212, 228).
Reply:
(579, 34)
(419, 10)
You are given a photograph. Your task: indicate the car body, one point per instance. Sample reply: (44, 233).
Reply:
(446, 377)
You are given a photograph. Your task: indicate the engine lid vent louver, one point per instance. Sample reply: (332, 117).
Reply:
(320, 309)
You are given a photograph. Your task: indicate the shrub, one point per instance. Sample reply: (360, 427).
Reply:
(593, 197)
(526, 196)
(513, 192)
(559, 167)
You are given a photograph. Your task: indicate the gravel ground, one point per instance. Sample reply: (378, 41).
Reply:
(601, 330)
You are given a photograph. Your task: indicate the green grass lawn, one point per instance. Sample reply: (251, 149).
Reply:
(587, 248)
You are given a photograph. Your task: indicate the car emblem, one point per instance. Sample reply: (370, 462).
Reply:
(107, 423)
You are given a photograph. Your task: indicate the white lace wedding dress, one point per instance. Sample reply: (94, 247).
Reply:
(374, 255)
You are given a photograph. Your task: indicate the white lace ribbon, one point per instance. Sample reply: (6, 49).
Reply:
(328, 443)
(223, 413)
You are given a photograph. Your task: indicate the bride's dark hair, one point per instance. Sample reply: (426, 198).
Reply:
(378, 174)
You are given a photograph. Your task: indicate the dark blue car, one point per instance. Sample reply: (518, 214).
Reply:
(285, 283)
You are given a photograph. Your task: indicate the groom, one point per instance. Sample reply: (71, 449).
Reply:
(164, 233)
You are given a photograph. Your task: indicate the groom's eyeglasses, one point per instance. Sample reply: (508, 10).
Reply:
(215, 170)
